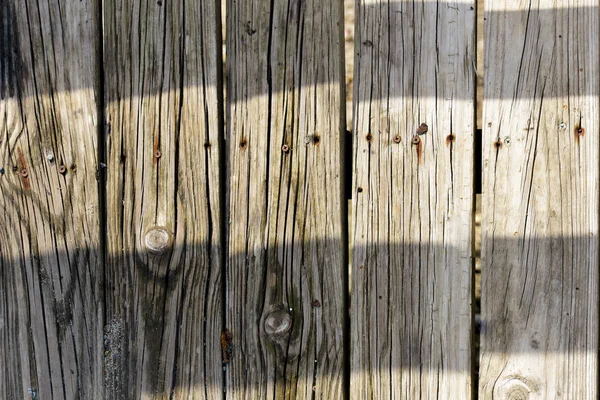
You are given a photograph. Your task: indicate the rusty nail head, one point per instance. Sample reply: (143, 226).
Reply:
(24, 173)
(285, 148)
(421, 130)
(397, 139)
(157, 154)
(416, 139)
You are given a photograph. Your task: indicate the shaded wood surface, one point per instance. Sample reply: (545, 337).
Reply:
(286, 264)
(51, 300)
(413, 200)
(164, 237)
(540, 201)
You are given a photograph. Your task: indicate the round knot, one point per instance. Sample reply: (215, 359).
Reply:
(278, 323)
(157, 239)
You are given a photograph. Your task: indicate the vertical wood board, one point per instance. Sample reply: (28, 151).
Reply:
(164, 136)
(540, 200)
(51, 300)
(414, 125)
(286, 224)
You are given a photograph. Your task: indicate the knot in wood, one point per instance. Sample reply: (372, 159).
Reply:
(516, 388)
(278, 323)
(518, 393)
(157, 240)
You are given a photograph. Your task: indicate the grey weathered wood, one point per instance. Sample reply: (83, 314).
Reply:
(164, 133)
(286, 235)
(413, 200)
(540, 201)
(51, 301)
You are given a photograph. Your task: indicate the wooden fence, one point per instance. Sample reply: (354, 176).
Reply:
(170, 228)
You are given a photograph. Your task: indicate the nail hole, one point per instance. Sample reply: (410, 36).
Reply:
(316, 139)
(207, 145)
(369, 137)
(498, 144)
(243, 143)
(360, 190)
(450, 139)
(73, 167)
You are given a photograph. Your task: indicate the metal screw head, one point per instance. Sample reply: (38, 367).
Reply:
(157, 154)
(50, 157)
(416, 139)
(563, 126)
(397, 139)
(421, 130)
(507, 140)
(285, 148)
(24, 173)
(62, 169)
(2, 171)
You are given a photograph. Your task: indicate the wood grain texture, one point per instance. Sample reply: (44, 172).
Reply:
(413, 200)
(164, 135)
(286, 230)
(540, 201)
(51, 301)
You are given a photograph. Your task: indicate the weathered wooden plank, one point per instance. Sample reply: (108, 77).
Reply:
(286, 232)
(51, 301)
(413, 200)
(540, 200)
(164, 135)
